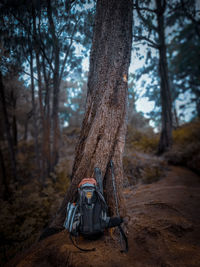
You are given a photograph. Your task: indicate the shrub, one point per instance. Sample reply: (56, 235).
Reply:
(143, 169)
(186, 147)
(141, 140)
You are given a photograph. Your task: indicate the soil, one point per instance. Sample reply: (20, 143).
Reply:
(163, 230)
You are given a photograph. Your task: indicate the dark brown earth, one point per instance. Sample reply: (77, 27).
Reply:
(164, 230)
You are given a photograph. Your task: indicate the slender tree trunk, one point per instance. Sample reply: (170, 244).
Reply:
(103, 130)
(14, 120)
(48, 119)
(56, 86)
(166, 102)
(42, 115)
(35, 129)
(5, 187)
(176, 120)
(26, 129)
(7, 128)
(198, 106)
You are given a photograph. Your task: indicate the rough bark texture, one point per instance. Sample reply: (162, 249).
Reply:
(166, 102)
(103, 131)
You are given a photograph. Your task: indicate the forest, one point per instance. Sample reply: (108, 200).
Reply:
(84, 83)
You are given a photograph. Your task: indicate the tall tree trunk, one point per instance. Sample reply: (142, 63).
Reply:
(35, 129)
(166, 102)
(176, 120)
(56, 86)
(8, 133)
(26, 129)
(198, 106)
(14, 120)
(42, 115)
(47, 120)
(5, 188)
(103, 130)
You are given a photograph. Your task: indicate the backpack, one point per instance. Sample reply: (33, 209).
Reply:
(88, 216)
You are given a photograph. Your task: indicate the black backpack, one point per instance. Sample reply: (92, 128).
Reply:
(88, 216)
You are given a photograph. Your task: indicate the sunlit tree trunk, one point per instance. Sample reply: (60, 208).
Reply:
(103, 130)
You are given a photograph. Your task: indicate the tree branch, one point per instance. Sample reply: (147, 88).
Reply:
(29, 74)
(67, 52)
(145, 9)
(145, 21)
(149, 41)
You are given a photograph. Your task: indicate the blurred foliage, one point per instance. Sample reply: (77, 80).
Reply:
(31, 205)
(142, 168)
(142, 141)
(140, 163)
(187, 133)
(186, 148)
(140, 134)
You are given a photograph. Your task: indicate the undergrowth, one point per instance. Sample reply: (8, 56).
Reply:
(186, 147)
(31, 205)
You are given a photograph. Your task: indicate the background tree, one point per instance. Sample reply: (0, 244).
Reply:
(184, 65)
(42, 38)
(103, 130)
(154, 21)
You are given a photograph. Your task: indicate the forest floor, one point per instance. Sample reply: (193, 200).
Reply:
(163, 230)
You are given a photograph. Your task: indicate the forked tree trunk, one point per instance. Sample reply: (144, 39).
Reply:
(103, 130)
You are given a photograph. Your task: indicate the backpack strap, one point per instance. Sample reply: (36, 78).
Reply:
(98, 177)
(82, 249)
(124, 237)
(101, 197)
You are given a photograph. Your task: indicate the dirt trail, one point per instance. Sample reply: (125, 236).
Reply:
(164, 230)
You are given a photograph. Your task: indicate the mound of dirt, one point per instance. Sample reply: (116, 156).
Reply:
(164, 230)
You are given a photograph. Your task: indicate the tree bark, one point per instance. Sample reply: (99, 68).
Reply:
(165, 141)
(103, 130)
